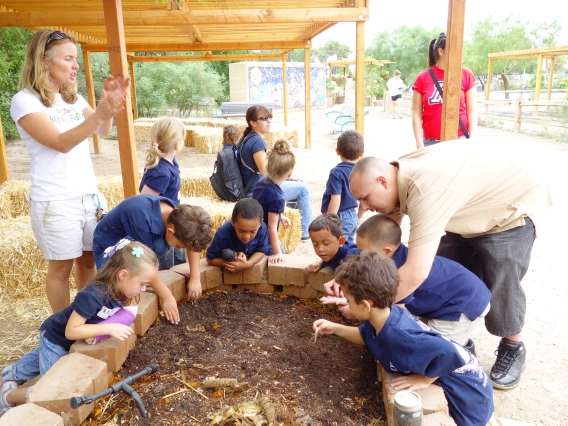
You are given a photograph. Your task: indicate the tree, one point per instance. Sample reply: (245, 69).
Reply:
(510, 34)
(221, 68)
(330, 48)
(13, 43)
(407, 46)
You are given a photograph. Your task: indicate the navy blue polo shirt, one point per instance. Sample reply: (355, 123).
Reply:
(254, 143)
(449, 290)
(226, 238)
(138, 218)
(92, 303)
(344, 251)
(338, 184)
(165, 179)
(407, 346)
(270, 196)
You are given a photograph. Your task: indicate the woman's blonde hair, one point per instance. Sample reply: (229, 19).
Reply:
(281, 160)
(231, 135)
(35, 76)
(166, 133)
(135, 257)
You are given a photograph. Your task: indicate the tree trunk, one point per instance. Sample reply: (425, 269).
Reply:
(505, 84)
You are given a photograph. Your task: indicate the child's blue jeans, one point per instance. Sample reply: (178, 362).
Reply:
(350, 223)
(36, 363)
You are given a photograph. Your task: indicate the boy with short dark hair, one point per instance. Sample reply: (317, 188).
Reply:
(245, 234)
(329, 242)
(452, 300)
(337, 198)
(403, 344)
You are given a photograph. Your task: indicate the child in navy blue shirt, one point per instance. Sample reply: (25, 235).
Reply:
(245, 234)
(231, 135)
(329, 242)
(267, 192)
(451, 300)
(158, 223)
(337, 198)
(405, 345)
(131, 268)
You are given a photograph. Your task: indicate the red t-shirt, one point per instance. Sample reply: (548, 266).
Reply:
(432, 101)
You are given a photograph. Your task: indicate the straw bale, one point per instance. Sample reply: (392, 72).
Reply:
(23, 269)
(214, 122)
(13, 200)
(208, 140)
(111, 187)
(278, 132)
(195, 183)
(221, 211)
(142, 131)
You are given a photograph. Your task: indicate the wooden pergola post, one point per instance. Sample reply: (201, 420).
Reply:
(133, 88)
(360, 78)
(284, 90)
(488, 84)
(91, 93)
(4, 173)
(552, 60)
(308, 103)
(538, 83)
(124, 124)
(452, 70)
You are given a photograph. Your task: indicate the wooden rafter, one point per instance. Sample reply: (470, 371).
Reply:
(188, 46)
(207, 57)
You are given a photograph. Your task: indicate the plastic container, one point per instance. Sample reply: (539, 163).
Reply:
(407, 409)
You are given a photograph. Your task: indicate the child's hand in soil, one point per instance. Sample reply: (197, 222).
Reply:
(412, 382)
(118, 331)
(193, 291)
(286, 223)
(169, 306)
(276, 258)
(239, 264)
(322, 326)
(333, 289)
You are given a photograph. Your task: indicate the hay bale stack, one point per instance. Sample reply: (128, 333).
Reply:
(13, 200)
(278, 132)
(208, 140)
(221, 211)
(189, 135)
(111, 187)
(23, 270)
(142, 131)
(195, 183)
(213, 122)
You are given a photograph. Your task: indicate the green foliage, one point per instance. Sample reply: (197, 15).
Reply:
(221, 68)
(13, 43)
(407, 46)
(330, 48)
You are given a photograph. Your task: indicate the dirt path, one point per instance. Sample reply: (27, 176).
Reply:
(539, 397)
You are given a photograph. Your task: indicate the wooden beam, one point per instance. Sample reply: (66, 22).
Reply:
(308, 107)
(4, 173)
(124, 125)
(285, 90)
(196, 33)
(360, 77)
(529, 52)
(452, 70)
(538, 84)
(202, 47)
(488, 84)
(203, 18)
(198, 58)
(133, 86)
(91, 94)
(552, 60)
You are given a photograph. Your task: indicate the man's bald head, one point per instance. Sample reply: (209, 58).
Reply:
(368, 168)
(373, 183)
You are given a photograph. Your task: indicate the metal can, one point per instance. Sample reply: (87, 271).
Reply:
(407, 409)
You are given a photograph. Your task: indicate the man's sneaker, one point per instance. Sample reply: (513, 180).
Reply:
(470, 346)
(7, 387)
(510, 363)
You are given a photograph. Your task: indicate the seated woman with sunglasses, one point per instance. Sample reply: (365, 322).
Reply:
(251, 157)
(54, 123)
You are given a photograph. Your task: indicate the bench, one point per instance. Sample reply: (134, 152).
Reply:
(239, 109)
(342, 120)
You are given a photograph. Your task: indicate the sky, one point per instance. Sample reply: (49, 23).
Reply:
(384, 16)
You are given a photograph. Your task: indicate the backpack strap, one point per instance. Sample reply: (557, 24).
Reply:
(440, 91)
(238, 147)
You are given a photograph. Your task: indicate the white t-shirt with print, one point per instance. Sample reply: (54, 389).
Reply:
(54, 175)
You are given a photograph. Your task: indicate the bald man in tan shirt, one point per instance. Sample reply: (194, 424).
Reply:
(470, 201)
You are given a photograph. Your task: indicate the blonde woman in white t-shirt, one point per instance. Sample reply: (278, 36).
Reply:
(55, 122)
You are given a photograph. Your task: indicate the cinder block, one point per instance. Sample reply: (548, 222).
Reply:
(438, 419)
(176, 283)
(309, 292)
(30, 415)
(147, 313)
(324, 275)
(328, 274)
(264, 287)
(72, 375)
(277, 273)
(183, 269)
(291, 290)
(211, 276)
(230, 278)
(111, 350)
(221, 287)
(296, 273)
(255, 275)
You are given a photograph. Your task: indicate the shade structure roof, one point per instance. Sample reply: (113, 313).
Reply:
(189, 25)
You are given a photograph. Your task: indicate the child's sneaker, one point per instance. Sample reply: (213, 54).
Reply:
(470, 346)
(7, 387)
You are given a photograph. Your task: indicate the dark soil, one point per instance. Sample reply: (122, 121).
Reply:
(264, 340)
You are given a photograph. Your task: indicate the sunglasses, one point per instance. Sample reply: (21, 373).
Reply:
(56, 35)
(263, 118)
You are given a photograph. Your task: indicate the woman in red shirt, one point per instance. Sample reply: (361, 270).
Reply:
(427, 101)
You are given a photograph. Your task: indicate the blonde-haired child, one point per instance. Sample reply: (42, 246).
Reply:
(126, 274)
(269, 194)
(161, 172)
(231, 135)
